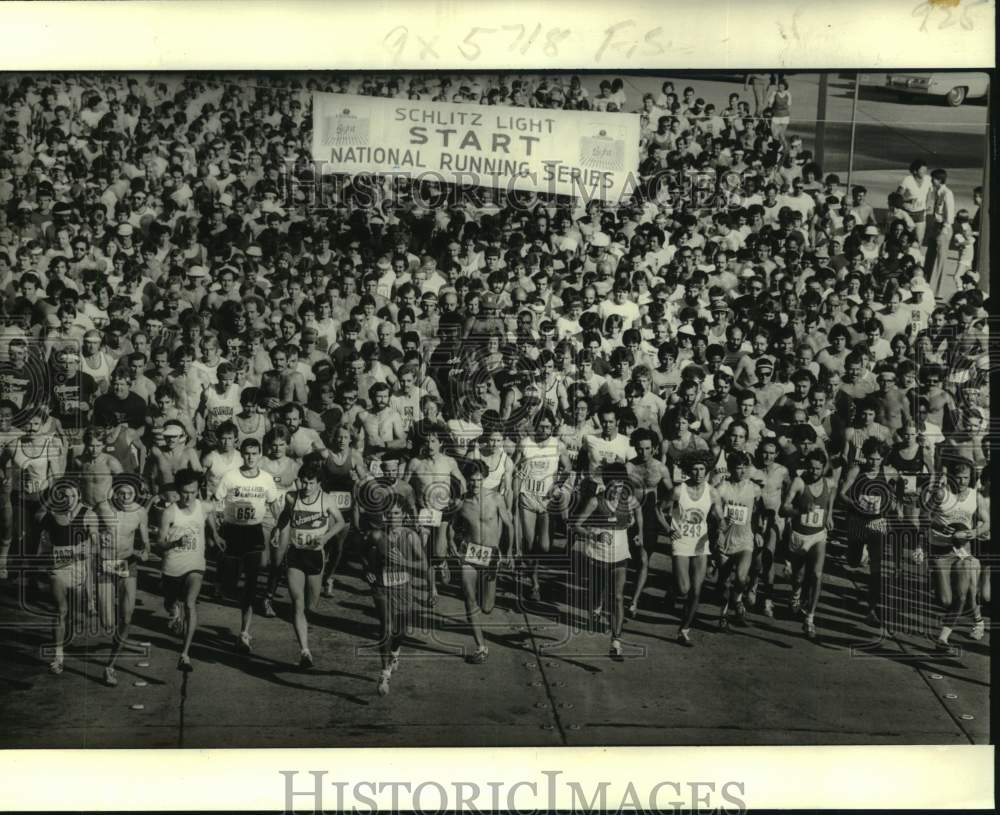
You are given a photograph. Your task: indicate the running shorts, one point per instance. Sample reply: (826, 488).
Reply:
(243, 540)
(308, 561)
(799, 543)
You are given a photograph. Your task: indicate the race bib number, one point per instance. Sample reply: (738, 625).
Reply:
(243, 513)
(478, 555)
(375, 468)
(535, 486)
(737, 514)
(306, 539)
(188, 542)
(598, 541)
(392, 577)
(429, 517)
(118, 568)
(693, 527)
(909, 484)
(342, 500)
(678, 475)
(814, 517)
(871, 504)
(63, 554)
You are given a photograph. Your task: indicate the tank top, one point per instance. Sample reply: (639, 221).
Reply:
(222, 407)
(66, 540)
(251, 428)
(190, 528)
(339, 477)
(497, 464)
(550, 398)
(780, 106)
(391, 570)
(954, 513)
(737, 508)
(100, 372)
(693, 513)
(909, 470)
(810, 510)
(539, 466)
(309, 522)
(31, 473)
(121, 449)
(607, 541)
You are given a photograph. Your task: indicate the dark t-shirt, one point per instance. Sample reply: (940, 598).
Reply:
(72, 399)
(132, 408)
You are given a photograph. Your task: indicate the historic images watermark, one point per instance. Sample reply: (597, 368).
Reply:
(317, 791)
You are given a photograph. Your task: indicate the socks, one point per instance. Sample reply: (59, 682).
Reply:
(945, 633)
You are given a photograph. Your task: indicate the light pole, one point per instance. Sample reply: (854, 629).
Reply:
(854, 116)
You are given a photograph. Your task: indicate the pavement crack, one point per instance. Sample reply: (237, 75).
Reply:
(553, 707)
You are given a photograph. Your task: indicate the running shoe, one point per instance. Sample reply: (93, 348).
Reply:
(244, 644)
(176, 624)
(110, 677)
(536, 594)
(56, 667)
(305, 659)
(685, 639)
(616, 651)
(445, 573)
(978, 629)
(723, 623)
(393, 662)
(809, 627)
(479, 657)
(632, 611)
(795, 602)
(269, 608)
(383, 684)
(769, 608)
(741, 615)
(327, 588)
(184, 664)
(943, 647)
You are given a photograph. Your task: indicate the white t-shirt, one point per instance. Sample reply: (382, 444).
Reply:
(628, 310)
(244, 500)
(602, 451)
(915, 189)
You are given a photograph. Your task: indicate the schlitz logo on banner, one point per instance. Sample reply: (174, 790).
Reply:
(344, 129)
(603, 151)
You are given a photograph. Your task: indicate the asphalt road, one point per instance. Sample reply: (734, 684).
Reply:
(548, 681)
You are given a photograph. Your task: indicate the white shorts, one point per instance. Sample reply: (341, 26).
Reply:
(799, 544)
(689, 547)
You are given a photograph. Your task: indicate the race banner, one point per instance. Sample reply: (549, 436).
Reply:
(579, 153)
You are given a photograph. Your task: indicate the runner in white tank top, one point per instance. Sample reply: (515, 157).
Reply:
(959, 515)
(693, 502)
(182, 547)
(535, 467)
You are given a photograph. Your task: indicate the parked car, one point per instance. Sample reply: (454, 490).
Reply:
(953, 88)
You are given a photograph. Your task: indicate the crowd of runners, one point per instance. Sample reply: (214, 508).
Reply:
(208, 371)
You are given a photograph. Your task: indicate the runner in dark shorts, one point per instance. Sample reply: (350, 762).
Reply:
(309, 519)
(395, 555)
